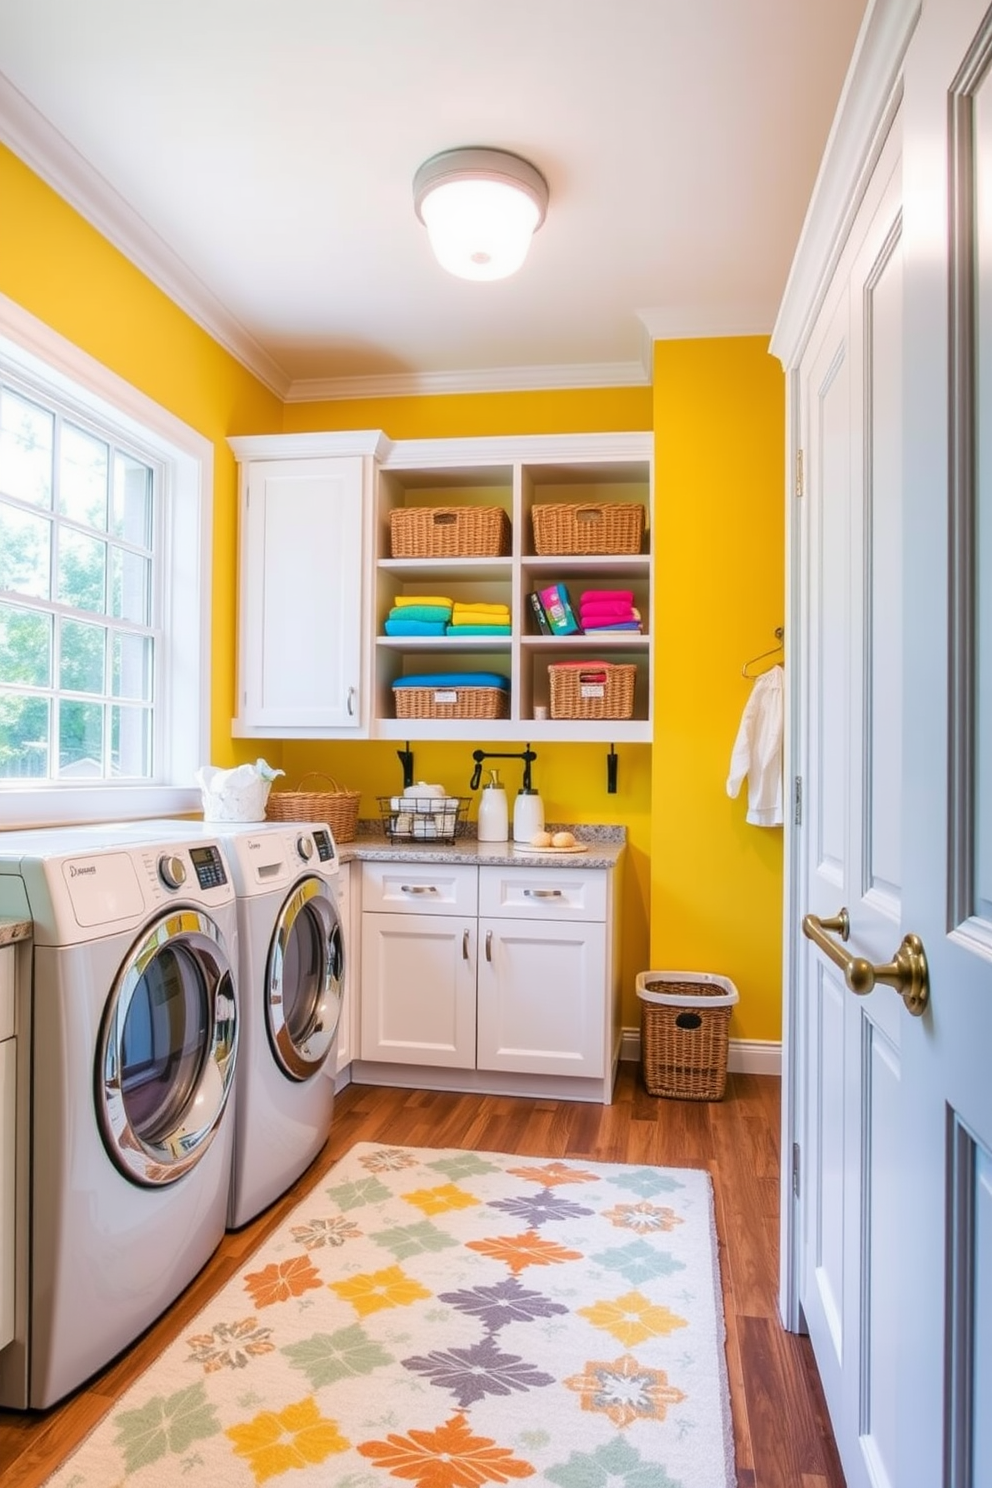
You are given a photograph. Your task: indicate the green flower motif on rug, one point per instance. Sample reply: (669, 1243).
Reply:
(357, 1194)
(638, 1262)
(646, 1182)
(462, 1165)
(327, 1357)
(613, 1465)
(164, 1425)
(408, 1240)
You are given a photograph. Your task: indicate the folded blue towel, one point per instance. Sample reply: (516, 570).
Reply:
(455, 679)
(414, 627)
(420, 612)
(460, 630)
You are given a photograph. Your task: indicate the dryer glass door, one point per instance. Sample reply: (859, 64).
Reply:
(305, 982)
(167, 1051)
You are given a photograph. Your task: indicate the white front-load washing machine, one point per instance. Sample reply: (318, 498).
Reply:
(127, 1045)
(291, 967)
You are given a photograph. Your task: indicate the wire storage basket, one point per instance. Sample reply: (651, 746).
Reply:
(571, 528)
(602, 689)
(333, 805)
(684, 1033)
(424, 818)
(449, 532)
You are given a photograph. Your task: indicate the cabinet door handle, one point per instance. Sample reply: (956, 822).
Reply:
(351, 702)
(489, 945)
(543, 894)
(465, 945)
(417, 889)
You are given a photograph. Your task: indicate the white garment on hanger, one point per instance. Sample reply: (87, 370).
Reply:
(757, 752)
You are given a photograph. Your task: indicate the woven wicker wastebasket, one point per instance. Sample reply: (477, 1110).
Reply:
(684, 1022)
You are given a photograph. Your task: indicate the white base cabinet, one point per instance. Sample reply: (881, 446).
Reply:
(489, 979)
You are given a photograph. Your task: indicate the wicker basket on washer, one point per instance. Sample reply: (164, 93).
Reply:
(449, 532)
(684, 1040)
(337, 807)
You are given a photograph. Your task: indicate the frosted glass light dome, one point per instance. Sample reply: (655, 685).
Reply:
(481, 208)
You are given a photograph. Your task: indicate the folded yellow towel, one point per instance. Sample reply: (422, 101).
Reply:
(480, 606)
(422, 599)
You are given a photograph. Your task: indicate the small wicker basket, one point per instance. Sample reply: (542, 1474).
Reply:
(452, 702)
(614, 527)
(337, 807)
(449, 532)
(600, 690)
(684, 1021)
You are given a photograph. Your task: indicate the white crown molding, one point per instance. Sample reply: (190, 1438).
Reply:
(694, 322)
(868, 102)
(485, 380)
(60, 164)
(507, 449)
(293, 446)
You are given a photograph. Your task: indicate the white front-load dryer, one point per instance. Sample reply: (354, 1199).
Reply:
(291, 968)
(127, 1043)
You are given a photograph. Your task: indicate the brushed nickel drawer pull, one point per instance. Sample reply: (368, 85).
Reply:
(418, 889)
(465, 945)
(543, 894)
(489, 945)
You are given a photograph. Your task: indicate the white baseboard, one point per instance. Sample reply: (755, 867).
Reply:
(744, 1056)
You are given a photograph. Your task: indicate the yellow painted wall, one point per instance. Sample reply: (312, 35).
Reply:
(716, 883)
(55, 265)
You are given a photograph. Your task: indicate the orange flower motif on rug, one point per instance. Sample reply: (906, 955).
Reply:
(624, 1390)
(440, 1200)
(230, 1345)
(449, 1457)
(632, 1318)
(644, 1218)
(552, 1173)
(296, 1437)
(520, 1251)
(374, 1290)
(279, 1282)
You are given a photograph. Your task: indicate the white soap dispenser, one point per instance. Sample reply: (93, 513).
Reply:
(494, 824)
(528, 814)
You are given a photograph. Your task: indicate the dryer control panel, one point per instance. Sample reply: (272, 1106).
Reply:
(324, 844)
(209, 866)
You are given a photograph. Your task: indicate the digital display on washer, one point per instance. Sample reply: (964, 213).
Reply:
(325, 849)
(209, 867)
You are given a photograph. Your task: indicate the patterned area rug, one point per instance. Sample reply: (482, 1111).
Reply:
(449, 1319)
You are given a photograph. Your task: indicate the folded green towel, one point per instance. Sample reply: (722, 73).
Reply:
(414, 627)
(420, 612)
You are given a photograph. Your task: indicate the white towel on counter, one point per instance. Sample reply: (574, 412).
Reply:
(757, 752)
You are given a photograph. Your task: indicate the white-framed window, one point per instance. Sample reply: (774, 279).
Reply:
(105, 535)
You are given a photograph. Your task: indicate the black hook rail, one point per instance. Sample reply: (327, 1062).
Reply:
(528, 756)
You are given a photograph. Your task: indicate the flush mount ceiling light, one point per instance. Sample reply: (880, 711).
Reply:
(481, 208)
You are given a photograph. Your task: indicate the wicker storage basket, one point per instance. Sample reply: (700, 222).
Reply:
(449, 532)
(614, 527)
(599, 690)
(337, 807)
(684, 1020)
(452, 702)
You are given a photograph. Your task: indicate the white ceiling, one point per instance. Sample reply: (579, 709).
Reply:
(256, 158)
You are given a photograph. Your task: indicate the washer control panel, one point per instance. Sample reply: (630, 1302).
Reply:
(324, 843)
(209, 866)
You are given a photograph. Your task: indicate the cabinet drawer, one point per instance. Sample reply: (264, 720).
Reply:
(421, 888)
(6, 992)
(543, 893)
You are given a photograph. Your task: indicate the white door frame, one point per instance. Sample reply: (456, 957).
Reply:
(869, 100)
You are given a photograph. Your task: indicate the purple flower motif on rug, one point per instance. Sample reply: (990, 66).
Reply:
(507, 1302)
(537, 1209)
(473, 1373)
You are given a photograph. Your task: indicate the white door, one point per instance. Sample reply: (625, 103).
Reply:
(945, 1426)
(850, 1137)
(300, 594)
(418, 989)
(542, 988)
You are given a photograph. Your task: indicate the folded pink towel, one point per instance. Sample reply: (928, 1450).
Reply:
(607, 612)
(610, 596)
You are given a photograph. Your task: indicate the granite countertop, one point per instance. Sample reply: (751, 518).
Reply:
(11, 930)
(605, 843)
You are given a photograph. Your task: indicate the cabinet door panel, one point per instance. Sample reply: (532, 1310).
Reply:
(418, 989)
(542, 1002)
(300, 594)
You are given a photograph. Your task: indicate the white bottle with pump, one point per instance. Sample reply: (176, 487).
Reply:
(528, 815)
(494, 824)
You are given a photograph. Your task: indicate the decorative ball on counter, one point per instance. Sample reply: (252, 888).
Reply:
(541, 839)
(563, 839)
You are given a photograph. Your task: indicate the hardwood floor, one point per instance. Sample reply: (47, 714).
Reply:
(782, 1434)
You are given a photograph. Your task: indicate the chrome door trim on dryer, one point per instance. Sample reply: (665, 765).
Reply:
(171, 1018)
(303, 1002)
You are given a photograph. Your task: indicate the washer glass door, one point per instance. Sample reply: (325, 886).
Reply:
(168, 1047)
(305, 981)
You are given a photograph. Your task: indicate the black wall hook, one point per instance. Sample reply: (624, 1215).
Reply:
(528, 756)
(612, 761)
(405, 757)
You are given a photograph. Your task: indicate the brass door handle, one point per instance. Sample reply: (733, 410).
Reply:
(907, 971)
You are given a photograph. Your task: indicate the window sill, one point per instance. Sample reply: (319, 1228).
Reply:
(69, 806)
